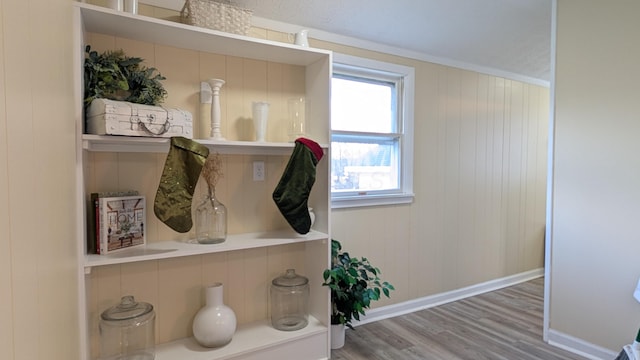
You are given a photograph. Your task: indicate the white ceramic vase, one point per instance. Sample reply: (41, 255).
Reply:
(116, 4)
(260, 116)
(214, 324)
(337, 336)
(301, 38)
(131, 6)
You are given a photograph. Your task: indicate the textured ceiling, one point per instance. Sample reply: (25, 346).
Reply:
(504, 37)
(511, 36)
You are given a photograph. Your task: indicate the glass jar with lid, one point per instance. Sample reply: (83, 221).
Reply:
(289, 301)
(127, 331)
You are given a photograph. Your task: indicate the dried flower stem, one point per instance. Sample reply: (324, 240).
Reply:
(212, 170)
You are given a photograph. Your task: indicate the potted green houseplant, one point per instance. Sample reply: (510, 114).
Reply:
(354, 284)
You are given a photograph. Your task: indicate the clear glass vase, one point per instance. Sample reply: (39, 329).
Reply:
(211, 220)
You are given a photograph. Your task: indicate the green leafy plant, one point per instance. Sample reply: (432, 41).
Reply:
(113, 75)
(354, 284)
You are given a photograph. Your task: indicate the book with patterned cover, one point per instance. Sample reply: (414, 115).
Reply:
(93, 217)
(121, 222)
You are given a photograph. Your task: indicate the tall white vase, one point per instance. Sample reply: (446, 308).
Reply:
(131, 6)
(297, 124)
(260, 117)
(216, 85)
(214, 324)
(301, 38)
(116, 4)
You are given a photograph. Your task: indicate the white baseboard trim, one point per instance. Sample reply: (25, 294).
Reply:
(426, 302)
(579, 346)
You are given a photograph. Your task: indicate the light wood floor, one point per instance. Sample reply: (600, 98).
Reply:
(503, 324)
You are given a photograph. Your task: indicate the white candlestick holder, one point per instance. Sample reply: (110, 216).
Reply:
(215, 84)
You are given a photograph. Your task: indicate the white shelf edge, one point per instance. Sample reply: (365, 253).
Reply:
(248, 338)
(99, 19)
(173, 249)
(117, 143)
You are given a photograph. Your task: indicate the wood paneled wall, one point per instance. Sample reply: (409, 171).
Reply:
(480, 184)
(38, 277)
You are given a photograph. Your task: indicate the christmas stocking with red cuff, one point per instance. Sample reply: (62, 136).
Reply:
(292, 192)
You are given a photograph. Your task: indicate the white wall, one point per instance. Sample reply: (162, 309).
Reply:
(595, 239)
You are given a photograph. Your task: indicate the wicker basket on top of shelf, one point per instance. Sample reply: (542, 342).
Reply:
(216, 15)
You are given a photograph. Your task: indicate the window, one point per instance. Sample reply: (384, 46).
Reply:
(371, 132)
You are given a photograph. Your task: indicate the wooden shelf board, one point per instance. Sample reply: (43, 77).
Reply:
(247, 339)
(116, 143)
(101, 20)
(172, 249)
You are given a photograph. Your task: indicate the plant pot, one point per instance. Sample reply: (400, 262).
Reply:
(337, 336)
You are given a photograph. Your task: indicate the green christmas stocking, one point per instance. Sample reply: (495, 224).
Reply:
(179, 177)
(292, 192)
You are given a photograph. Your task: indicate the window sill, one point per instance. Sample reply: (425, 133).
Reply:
(371, 200)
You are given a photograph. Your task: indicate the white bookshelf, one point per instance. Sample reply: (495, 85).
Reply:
(256, 339)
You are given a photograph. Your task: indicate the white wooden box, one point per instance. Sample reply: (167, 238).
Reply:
(111, 117)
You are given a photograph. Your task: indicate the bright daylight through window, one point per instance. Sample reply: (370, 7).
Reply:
(371, 132)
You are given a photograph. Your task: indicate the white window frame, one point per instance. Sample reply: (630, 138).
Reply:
(405, 194)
